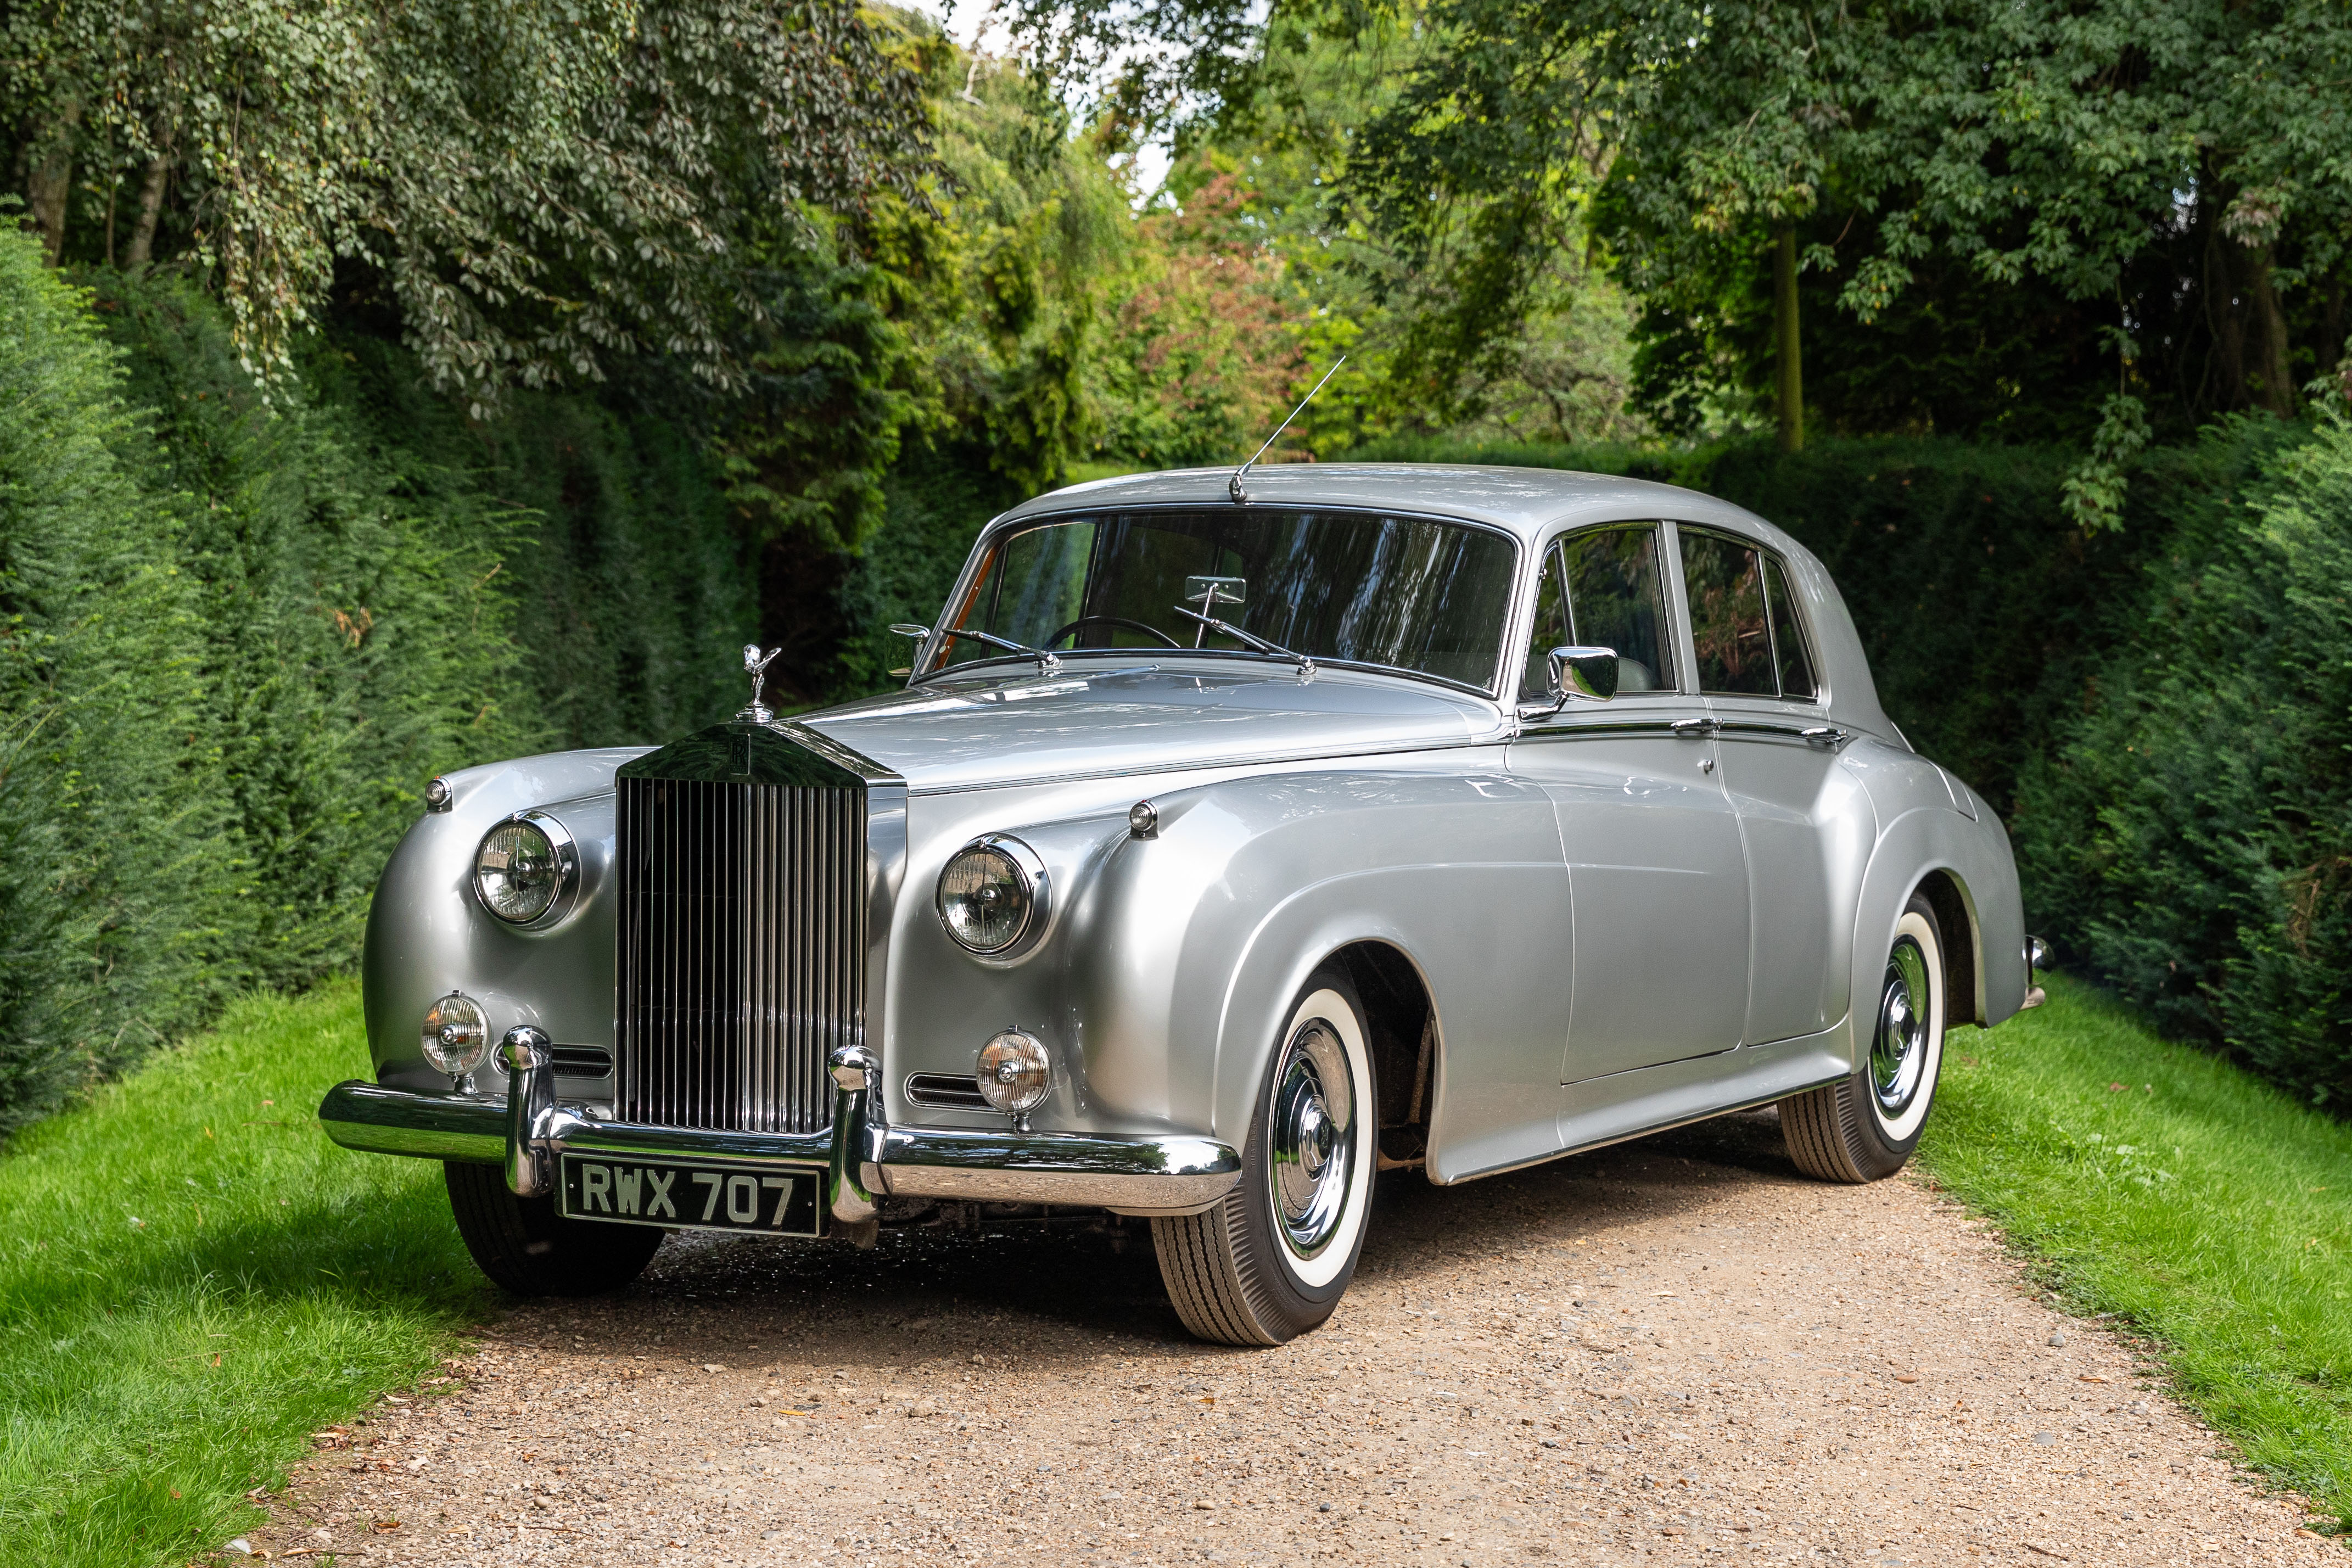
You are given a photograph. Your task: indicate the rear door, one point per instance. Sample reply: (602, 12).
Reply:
(1753, 660)
(1657, 965)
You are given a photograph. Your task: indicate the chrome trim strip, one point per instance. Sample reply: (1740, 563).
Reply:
(1614, 728)
(1830, 735)
(1168, 1172)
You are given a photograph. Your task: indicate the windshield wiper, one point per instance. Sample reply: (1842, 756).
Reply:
(1047, 661)
(1306, 665)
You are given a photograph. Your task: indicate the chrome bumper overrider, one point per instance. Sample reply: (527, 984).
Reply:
(866, 1158)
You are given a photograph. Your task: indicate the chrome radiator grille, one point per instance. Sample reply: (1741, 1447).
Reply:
(742, 950)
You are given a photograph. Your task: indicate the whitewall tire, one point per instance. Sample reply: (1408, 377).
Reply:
(1864, 1127)
(1273, 1257)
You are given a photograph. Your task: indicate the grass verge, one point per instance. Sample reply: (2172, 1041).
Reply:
(193, 1278)
(2159, 1183)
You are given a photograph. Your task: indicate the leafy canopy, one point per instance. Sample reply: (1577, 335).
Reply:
(544, 185)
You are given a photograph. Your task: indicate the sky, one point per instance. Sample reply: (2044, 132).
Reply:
(972, 23)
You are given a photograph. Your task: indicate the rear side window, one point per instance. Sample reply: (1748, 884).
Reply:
(1744, 621)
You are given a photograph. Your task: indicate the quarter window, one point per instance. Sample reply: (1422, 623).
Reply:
(1744, 626)
(1602, 589)
(1796, 666)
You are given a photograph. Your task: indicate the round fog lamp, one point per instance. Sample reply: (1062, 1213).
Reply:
(1014, 1072)
(523, 867)
(456, 1034)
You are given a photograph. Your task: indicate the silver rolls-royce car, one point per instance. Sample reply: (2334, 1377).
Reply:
(1230, 844)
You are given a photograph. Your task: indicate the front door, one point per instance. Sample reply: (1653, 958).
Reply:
(1657, 875)
(1779, 758)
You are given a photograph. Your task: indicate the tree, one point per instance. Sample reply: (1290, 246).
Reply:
(540, 185)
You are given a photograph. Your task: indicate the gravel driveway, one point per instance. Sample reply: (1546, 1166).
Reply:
(1675, 1350)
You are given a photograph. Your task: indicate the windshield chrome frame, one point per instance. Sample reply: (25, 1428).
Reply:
(1002, 526)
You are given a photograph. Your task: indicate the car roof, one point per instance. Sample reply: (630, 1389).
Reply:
(1530, 502)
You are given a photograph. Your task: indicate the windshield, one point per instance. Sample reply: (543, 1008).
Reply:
(1406, 593)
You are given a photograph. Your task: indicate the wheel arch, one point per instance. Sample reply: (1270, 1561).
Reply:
(1969, 882)
(1947, 894)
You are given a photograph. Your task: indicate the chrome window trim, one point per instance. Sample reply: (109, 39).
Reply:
(1001, 526)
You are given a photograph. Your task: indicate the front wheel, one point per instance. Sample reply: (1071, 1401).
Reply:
(1273, 1257)
(1864, 1127)
(524, 1245)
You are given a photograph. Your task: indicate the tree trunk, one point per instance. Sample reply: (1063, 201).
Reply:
(1789, 378)
(50, 179)
(2222, 319)
(2270, 365)
(2331, 328)
(150, 202)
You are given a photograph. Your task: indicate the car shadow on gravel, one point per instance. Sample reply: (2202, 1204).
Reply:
(1060, 1290)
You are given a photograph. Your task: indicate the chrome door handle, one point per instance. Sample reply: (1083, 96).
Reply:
(1695, 726)
(1828, 735)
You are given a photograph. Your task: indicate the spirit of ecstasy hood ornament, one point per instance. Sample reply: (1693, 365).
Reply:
(755, 665)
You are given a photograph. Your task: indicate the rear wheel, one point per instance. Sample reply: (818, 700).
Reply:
(1272, 1259)
(525, 1245)
(1864, 1127)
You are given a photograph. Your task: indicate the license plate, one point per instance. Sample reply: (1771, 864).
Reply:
(694, 1194)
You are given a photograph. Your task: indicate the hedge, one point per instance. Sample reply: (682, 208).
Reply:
(241, 635)
(2191, 837)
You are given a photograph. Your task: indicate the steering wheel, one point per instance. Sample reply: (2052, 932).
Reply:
(1111, 621)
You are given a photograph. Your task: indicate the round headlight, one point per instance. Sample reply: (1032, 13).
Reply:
(992, 896)
(523, 867)
(456, 1034)
(1014, 1072)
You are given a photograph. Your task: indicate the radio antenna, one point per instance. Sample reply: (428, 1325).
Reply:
(1234, 485)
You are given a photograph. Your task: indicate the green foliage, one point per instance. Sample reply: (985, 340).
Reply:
(111, 806)
(240, 637)
(2192, 835)
(195, 1280)
(543, 187)
(2205, 1210)
(2159, 189)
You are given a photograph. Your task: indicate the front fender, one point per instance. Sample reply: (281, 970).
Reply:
(427, 935)
(1458, 872)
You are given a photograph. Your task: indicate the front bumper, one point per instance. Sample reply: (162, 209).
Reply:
(867, 1158)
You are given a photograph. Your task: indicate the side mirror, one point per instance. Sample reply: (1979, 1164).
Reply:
(1587, 672)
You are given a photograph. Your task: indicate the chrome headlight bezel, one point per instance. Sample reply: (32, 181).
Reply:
(563, 851)
(1028, 872)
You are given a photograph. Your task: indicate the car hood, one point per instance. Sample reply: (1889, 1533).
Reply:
(971, 734)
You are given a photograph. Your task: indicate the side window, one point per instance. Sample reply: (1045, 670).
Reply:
(1616, 598)
(1744, 622)
(1796, 666)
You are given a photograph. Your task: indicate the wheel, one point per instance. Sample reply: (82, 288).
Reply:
(524, 1245)
(1272, 1259)
(1864, 1127)
(1111, 621)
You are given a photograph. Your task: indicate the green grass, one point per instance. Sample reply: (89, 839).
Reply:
(2194, 1202)
(192, 1279)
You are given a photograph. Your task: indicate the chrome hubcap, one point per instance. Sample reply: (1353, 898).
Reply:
(1311, 1144)
(1899, 1051)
